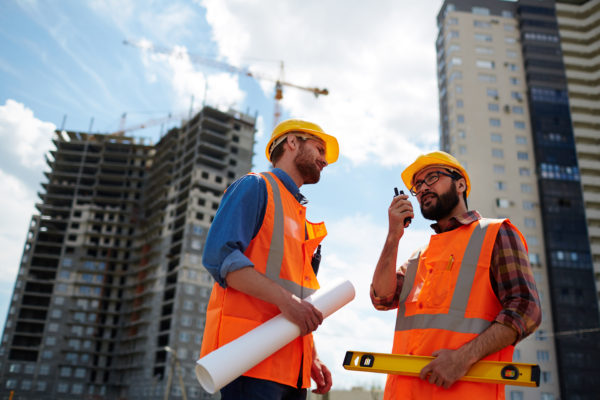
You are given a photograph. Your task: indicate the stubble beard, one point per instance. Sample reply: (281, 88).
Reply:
(446, 202)
(307, 166)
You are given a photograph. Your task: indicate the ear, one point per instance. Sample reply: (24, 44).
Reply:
(292, 142)
(461, 185)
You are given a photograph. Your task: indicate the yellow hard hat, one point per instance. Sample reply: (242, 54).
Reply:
(296, 125)
(434, 158)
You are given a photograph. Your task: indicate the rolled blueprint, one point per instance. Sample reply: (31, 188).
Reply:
(228, 362)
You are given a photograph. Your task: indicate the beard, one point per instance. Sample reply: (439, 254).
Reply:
(307, 166)
(446, 202)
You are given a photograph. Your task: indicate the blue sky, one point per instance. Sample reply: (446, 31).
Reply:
(377, 60)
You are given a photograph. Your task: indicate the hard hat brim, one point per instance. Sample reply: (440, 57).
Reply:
(332, 149)
(427, 160)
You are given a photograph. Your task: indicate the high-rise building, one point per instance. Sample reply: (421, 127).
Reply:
(110, 297)
(504, 113)
(579, 26)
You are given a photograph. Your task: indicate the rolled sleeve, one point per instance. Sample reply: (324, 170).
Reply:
(514, 284)
(391, 301)
(236, 223)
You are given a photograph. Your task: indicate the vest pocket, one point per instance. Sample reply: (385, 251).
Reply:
(438, 281)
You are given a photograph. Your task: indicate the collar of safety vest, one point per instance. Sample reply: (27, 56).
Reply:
(290, 185)
(458, 221)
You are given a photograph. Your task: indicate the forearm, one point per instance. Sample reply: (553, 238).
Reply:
(247, 280)
(490, 341)
(384, 278)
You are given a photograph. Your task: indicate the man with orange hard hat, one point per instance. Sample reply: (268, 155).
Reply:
(467, 295)
(260, 251)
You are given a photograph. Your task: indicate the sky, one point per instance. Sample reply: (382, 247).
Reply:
(63, 64)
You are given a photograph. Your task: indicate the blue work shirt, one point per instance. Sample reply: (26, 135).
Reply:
(238, 221)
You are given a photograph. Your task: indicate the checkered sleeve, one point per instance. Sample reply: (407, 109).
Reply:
(513, 283)
(390, 301)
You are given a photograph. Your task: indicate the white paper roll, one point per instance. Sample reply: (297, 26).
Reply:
(228, 362)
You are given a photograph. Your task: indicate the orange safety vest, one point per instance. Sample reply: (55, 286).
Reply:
(446, 301)
(282, 250)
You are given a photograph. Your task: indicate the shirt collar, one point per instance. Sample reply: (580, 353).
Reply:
(289, 184)
(460, 220)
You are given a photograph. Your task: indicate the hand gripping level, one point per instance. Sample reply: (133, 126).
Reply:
(484, 371)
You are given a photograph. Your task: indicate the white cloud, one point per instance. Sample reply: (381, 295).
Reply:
(377, 60)
(26, 136)
(351, 251)
(16, 208)
(25, 139)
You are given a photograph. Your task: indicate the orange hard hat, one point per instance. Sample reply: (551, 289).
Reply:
(296, 125)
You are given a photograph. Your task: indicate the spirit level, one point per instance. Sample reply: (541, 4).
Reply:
(483, 371)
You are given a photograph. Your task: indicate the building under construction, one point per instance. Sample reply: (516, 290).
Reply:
(110, 298)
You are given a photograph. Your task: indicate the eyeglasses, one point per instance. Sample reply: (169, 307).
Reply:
(429, 180)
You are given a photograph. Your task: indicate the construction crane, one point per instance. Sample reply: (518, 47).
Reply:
(279, 82)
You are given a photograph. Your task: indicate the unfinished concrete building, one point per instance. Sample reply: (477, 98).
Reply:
(110, 297)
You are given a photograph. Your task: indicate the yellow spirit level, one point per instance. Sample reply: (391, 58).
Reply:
(483, 371)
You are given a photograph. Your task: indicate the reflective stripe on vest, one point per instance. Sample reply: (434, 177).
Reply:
(275, 257)
(453, 321)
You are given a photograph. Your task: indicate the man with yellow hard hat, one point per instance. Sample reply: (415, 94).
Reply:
(467, 295)
(260, 251)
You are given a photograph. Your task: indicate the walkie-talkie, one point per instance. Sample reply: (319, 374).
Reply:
(407, 220)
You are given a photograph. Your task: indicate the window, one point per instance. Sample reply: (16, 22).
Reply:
(481, 24)
(547, 396)
(462, 149)
(480, 11)
(493, 107)
(14, 368)
(492, 93)
(507, 14)
(510, 40)
(532, 241)
(500, 185)
(499, 169)
(502, 203)
(526, 188)
(50, 341)
(486, 78)
(516, 395)
(184, 337)
(511, 54)
(497, 153)
(80, 373)
(460, 119)
(519, 125)
(524, 171)
(462, 134)
(62, 388)
(196, 244)
(530, 222)
(458, 89)
(494, 122)
(11, 383)
(528, 205)
(496, 138)
(509, 27)
(514, 81)
(44, 369)
(543, 356)
(65, 372)
(67, 262)
(77, 388)
(484, 50)
(459, 104)
(186, 321)
(546, 377)
(40, 386)
(534, 259)
(26, 384)
(455, 61)
(516, 95)
(522, 155)
(484, 64)
(517, 109)
(480, 37)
